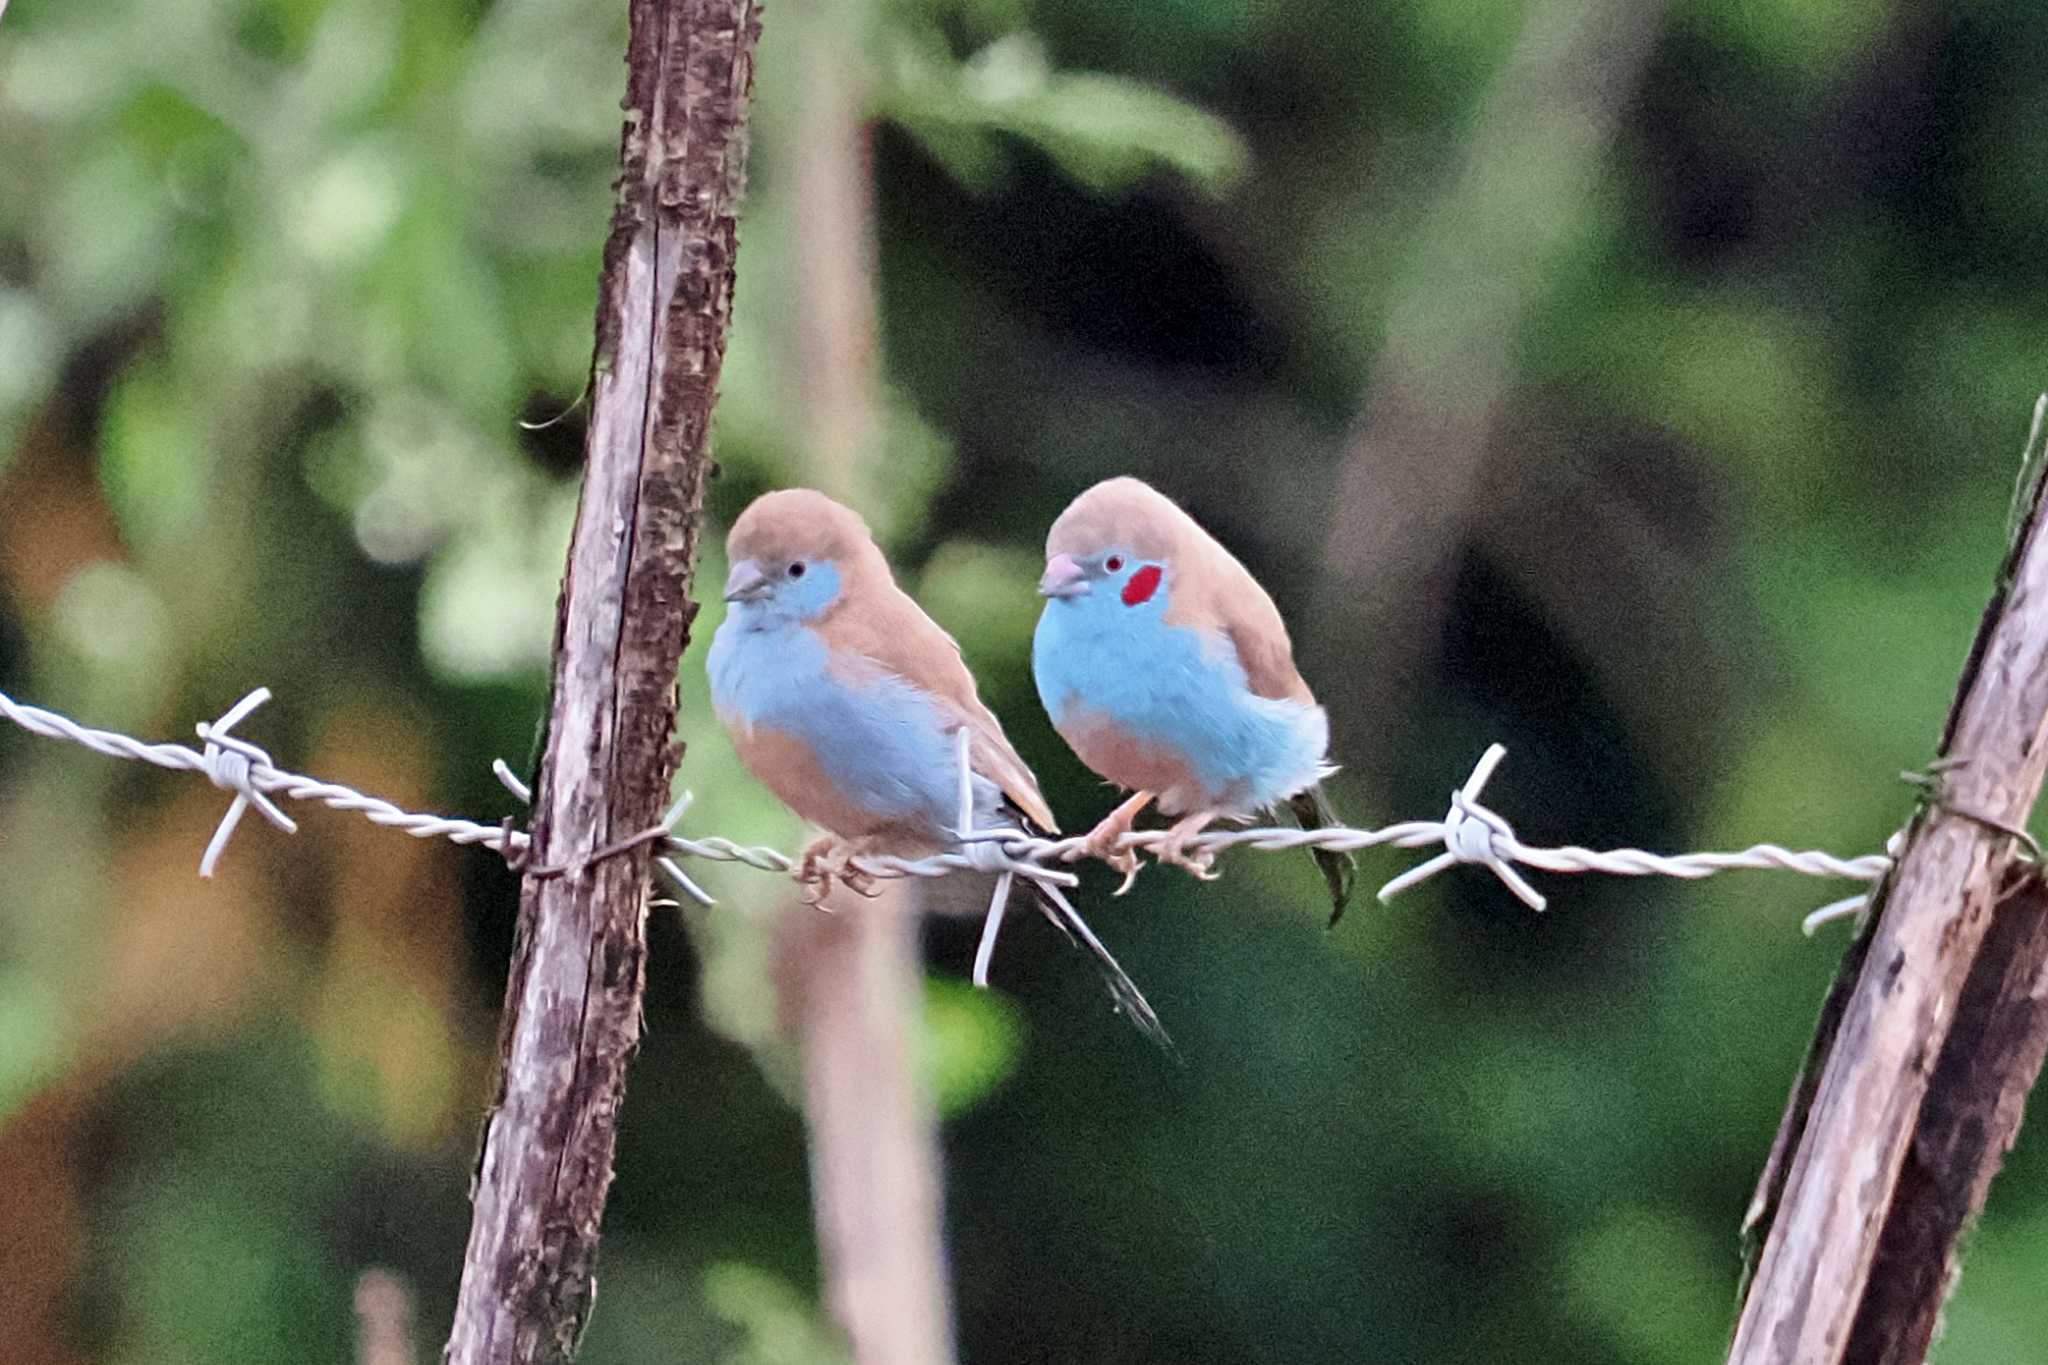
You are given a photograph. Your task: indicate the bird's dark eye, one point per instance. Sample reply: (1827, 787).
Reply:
(796, 570)
(1115, 563)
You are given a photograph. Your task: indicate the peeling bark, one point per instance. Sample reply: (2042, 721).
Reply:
(1933, 1032)
(573, 998)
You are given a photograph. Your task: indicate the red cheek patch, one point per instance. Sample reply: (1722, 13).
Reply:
(1143, 584)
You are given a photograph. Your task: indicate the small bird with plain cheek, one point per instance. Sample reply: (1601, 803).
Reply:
(1167, 668)
(845, 700)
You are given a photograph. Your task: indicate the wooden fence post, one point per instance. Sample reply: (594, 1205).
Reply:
(1935, 1028)
(572, 1003)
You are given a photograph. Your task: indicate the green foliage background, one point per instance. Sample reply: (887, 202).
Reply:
(279, 280)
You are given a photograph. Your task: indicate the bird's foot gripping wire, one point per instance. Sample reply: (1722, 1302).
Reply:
(1172, 848)
(829, 859)
(1105, 841)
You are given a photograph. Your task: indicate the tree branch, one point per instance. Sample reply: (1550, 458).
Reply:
(572, 1003)
(1928, 1053)
(383, 1320)
(852, 984)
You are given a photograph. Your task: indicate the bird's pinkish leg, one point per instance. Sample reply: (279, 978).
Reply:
(812, 871)
(1173, 847)
(828, 859)
(1102, 840)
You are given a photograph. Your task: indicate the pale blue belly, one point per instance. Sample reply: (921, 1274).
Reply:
(1173, 687)
(881, 742)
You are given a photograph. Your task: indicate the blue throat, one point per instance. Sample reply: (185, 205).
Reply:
(879, 740)
(1176, 687)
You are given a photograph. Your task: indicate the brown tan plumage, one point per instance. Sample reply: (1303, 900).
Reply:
(1169, 670)
(847, 702)
(875, 625)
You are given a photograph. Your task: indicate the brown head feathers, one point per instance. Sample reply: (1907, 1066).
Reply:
(803, 524)
(1123, 514)
(874, 624)
(1210, 588)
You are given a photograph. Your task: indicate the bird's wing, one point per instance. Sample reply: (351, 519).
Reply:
(891, 631)
(1226, 598)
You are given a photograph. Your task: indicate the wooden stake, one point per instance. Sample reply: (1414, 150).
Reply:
(1933, 1033)
(572, 1003)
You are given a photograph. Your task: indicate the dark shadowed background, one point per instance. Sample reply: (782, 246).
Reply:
(1639, 385)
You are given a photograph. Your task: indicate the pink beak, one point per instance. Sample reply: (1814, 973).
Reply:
(1064, 577)
(746, 582)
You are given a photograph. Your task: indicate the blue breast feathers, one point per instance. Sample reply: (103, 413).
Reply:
(1180, 688)
(878, 739)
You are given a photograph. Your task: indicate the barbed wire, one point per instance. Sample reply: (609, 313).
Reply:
(1469, 832)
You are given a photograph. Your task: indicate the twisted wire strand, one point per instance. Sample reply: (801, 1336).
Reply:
(1470, 832)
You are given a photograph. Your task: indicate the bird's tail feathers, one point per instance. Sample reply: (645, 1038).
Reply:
(1123, 992)
(1312, 810)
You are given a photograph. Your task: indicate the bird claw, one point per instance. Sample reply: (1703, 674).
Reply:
(826, 861)
(1200, 862)
(1173, 850)
(1105, 842)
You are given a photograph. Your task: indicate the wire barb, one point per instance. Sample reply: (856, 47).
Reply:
(984, 852)
(1473, 834)
(231, 763)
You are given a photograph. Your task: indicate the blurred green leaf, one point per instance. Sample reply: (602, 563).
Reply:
(972, 1041)
(32, 1051)
(1646, 1279)
(215, 1276)
(1107, 132)
(778, 1326)
(28, 364)
(986, 596)
(1811, 37)
(113, 623)
(487, 608)
(156, 459)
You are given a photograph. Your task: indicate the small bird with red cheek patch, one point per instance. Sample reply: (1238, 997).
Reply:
(1167, 668)
(846, 701)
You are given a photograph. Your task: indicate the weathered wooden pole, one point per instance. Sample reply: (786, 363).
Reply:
(1935, 1028)
(572, 1003)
